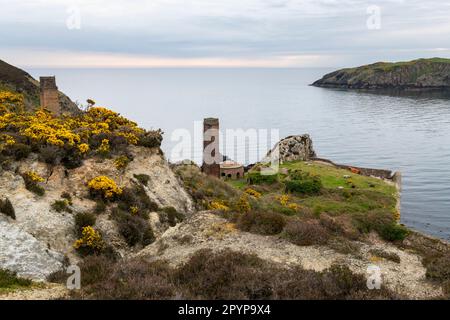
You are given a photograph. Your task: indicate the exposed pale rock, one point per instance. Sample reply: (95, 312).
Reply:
(35, 243)
(24, 254)
(293, 148)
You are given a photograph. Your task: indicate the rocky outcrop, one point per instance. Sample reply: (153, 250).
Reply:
(422, 74)
(38, 240)
(293, 148)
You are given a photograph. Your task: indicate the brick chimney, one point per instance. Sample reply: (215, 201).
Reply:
(50, 95)
(211, 153)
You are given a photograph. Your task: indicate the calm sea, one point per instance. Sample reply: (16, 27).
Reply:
(406, 133)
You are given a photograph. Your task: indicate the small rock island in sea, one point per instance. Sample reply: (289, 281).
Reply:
(422, 74)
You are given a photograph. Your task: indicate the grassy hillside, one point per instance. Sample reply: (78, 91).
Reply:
(416, 74)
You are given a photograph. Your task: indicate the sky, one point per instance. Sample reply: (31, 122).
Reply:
(226, 33)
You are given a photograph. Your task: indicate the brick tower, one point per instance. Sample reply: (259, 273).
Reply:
(211, 153)
(50, 95)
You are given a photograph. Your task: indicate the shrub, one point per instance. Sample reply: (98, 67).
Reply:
(122, 162)
(219, 275)
(262, 222)
(134, 279)
(151, 139)
(305, 233)
(82, 220)
(218, 205)
(136, 197)
(83, 148)
(95, 269)
(100, 207)
(104, 187)
(173, 216)
(19, 151)
(61, 205)
(439, 268)
(50, 154)
(383, 223)
(253, 193)
(7, 208)
(10, 280)
(225, 275)
(90, 242)
(72, 159)
(393, 232)
(134, 229)
(242, 204)
(303, 183)
(32, 180)
(258, 178)
(104, 148)
(142, 178)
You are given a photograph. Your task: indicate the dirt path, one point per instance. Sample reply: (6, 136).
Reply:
(47, 292)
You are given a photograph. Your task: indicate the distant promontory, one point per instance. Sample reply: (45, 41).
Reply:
(421, 74)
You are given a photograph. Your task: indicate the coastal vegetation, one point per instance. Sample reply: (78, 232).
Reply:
(415, 75)
(206, 275)
(307, 203)
(68, 139)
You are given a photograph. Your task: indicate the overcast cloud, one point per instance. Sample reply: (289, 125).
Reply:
(272, 33)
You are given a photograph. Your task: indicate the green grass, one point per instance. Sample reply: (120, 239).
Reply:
(332, 178)
(9, 281)
(238, 184)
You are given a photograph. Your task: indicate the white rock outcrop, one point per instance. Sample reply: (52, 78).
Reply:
(292, 148)
(36, 242)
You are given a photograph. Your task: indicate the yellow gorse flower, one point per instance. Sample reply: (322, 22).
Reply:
(134, 210)
(253, 193)
(83, 148)
(106, 186)
(33, 176)
(90, 238)
(43, 128)
(283, 199)
(218, 205)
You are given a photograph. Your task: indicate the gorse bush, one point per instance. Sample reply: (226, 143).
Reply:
(90, 242)
(32, 182)
(82, 220)
(11, 102)
(71, 137)
(104, 187)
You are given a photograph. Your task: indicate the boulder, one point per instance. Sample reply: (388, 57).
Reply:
(293, 148)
